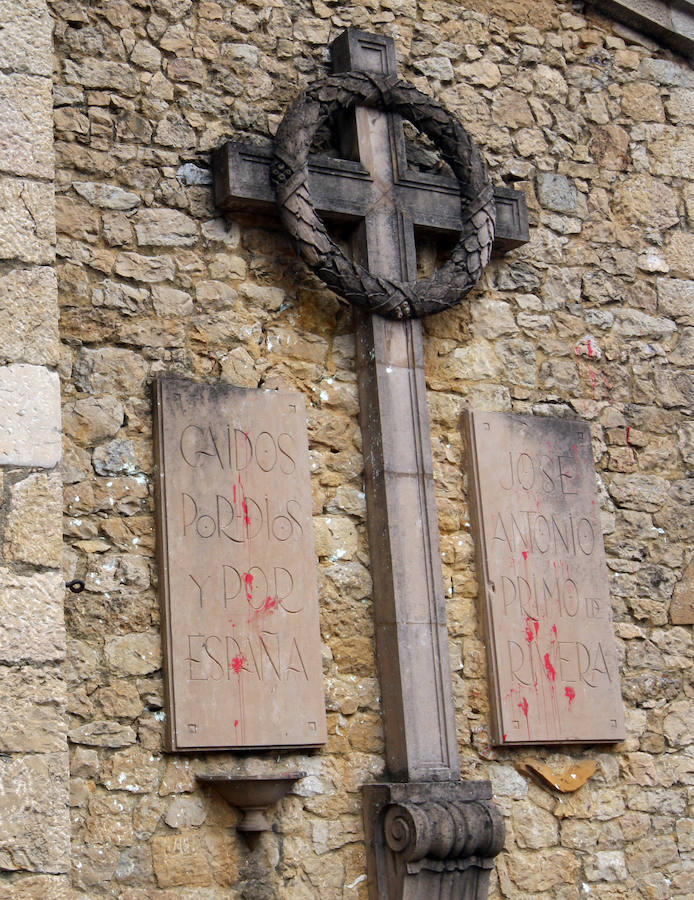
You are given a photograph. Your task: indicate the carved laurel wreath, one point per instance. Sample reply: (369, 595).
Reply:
(393, 299)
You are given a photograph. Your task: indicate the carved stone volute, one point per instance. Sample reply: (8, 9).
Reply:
(432, 840)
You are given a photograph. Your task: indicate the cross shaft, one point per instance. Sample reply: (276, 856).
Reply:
(388, 203)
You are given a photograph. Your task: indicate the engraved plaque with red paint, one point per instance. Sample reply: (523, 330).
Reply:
(551, 651)
(242, 657)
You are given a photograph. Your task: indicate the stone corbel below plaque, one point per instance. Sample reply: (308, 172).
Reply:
(253, 795)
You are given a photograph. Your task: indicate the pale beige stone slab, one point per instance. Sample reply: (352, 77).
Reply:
(26, 138)
(29, 316)
(26, 37)
(33, 533)
(34, 826)
(31, 611)
(548, 617)
(27, 220)
(29, 416)
(239, 599)
(32, 703)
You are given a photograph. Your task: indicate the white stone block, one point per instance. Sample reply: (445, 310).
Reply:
(29, 416)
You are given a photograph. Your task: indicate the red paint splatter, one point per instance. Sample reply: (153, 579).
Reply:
(554, 631)
(594, 381)
(505, 736)
(236, 723)
(523, 706)
(270, 604)
(571, 694)
(529, 634)
(248, 579)
(549, 668)
(246, 516)
(238, 662)
(524, 554)
(589, 347)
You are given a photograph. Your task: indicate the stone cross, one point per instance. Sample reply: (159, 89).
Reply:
(388, 200)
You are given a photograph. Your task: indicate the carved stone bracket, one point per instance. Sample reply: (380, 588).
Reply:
(430, 840)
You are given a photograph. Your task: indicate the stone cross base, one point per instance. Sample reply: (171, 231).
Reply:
(431, 840)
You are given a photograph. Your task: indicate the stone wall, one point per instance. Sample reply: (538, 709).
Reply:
(34, 822)
(593, 317)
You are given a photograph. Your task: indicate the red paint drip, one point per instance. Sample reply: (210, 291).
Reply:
(571, 694)
(524, 707)
(554, 631)
(238, 663)
(505, 736)
(589, 346)
(270, 604)
(628, 430)
(236, 723)
(234, 493)
(246, 517)
(524, 554)
(549, 669)
(529, 636)
(248, 579)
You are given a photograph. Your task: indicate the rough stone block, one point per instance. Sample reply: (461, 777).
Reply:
(33, 533)
(110, 370)
(26, 112)
(102, 734)
(680, 254)
(34, 826)
(93, 419)
(38, 887)
(165, 228)
(556, 192)
(134, 654)
(31, 710)
(106, 196)
(134, 770)
(102, 73)
(26, 43)
(31, 611)
(29, 316)
(27, 220)
(179, 860)
(673, 154)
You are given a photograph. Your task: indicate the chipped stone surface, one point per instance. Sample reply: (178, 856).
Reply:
(26, 107)
(32, 710)
(27, 223)
(32, 614)
(25, 44)
(33, 788)
(32, 532)
(28, 321)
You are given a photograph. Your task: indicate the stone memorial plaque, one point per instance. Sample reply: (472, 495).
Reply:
(550, 644)
(238, 591)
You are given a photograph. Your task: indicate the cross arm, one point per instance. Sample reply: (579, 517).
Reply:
(342, 189)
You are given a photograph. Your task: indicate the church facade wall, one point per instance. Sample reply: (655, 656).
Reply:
(593, 317)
